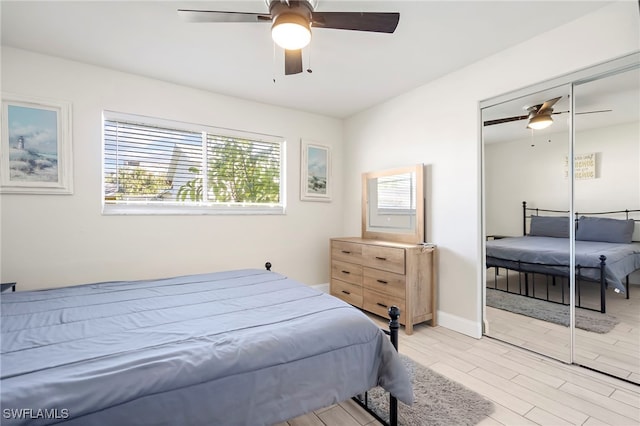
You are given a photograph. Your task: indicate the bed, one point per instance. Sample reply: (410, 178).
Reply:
(246, 347)
(605, 253)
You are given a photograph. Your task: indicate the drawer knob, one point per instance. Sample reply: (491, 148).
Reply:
(346, 251)
(382, 305)
(383, 281)
(381, 258)
(345, 272)
(346, 292)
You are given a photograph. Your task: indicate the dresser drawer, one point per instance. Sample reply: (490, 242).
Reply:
(346, 251)
(384, 282)
(379, 304)
(386, 258)
(346, 271)
(348, 292)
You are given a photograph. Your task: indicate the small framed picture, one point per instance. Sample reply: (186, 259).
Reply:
(315, 174)
(35, 150)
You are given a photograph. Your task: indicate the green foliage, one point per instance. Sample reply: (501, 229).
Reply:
(138, 182)
(236, 172)
(192, 189)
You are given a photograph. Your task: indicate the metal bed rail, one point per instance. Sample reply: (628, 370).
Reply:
(526, 287)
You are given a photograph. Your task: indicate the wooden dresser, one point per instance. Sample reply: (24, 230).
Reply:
(374, 275)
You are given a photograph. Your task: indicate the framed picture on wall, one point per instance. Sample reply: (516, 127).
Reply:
(315, 174)
(35, 150)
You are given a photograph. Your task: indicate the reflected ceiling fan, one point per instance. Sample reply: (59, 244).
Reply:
(292, 21)
(539, 116)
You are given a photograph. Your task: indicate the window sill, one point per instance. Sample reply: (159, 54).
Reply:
(123, 209)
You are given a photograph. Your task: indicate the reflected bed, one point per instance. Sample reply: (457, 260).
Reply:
(604, 253)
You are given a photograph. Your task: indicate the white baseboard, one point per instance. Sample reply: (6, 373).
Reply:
(461, 325)
(322, 287)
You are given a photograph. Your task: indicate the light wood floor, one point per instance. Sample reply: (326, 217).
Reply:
(616, 353)
(526, 388)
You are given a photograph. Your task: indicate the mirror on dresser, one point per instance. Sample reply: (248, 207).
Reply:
(389, 265)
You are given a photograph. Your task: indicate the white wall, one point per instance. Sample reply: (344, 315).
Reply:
(56, 240)
(617, 186)
(515, 172)
(439, 124)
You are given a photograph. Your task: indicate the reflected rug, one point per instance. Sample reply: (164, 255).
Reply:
(439, 401)
(549, 311)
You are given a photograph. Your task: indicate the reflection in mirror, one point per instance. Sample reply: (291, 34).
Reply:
(393, 205)
(527, 294)
(607, 179)
(392, 202)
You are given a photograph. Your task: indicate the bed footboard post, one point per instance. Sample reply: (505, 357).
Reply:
(394, 325)
(626, 286)
(524, 218)
(603, 284)
(267, 266)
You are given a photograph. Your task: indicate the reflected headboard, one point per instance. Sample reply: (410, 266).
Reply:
(614, 221)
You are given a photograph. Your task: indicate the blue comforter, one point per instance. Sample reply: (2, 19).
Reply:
(247, 347)
(551, 255)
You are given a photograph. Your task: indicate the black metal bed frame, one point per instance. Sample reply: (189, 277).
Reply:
(529, 289)
(523, 269)
(362, 400)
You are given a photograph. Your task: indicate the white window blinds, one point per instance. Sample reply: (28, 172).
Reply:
(396, 194)
(161, 166)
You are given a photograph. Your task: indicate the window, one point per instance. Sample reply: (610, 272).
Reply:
(153, 166)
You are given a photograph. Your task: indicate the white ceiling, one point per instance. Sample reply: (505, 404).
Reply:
(352, 70)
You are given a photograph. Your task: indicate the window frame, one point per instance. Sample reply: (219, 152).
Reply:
(135, 207)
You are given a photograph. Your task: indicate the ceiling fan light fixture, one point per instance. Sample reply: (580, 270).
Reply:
(539, 122)
(291, 31)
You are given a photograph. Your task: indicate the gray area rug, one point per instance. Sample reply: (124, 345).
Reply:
(439, 401)
(551, 312)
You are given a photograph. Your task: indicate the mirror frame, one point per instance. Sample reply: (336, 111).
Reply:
(415, 237)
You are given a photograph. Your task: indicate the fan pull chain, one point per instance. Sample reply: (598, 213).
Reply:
(309, 70)
(273, 63)
(532, 144)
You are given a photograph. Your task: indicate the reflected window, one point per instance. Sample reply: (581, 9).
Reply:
(396, 194)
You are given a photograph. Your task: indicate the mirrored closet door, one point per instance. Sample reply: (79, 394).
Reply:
(561, 202)
(527, 200)
(606, 202)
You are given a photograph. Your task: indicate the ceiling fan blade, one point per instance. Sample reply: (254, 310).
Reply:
(593, 112)
(548, 105)
(357, 21)
(584, 112)
(292, 61)
(505, 120)
(190, 15)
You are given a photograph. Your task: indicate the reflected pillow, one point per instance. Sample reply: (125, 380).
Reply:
(605, 229)
(549, 226)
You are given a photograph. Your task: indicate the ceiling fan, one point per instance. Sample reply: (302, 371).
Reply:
(292, 21)
(539, 116)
